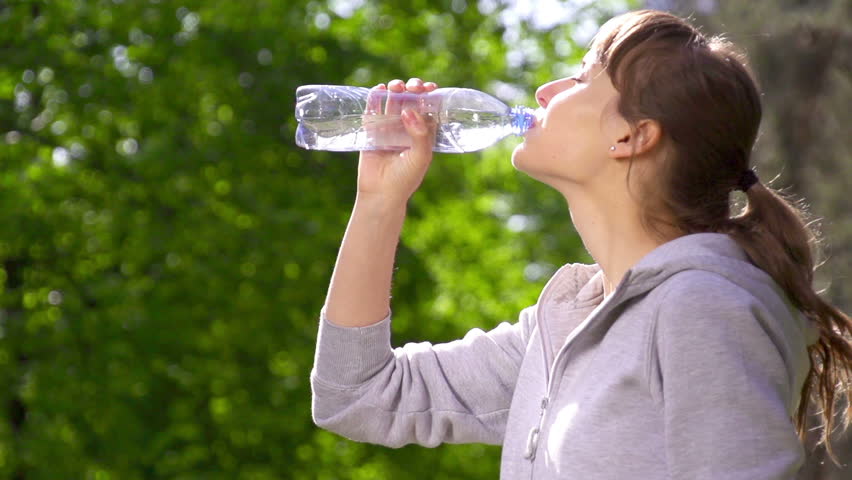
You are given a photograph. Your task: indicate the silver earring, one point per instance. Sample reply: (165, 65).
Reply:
(612, 148)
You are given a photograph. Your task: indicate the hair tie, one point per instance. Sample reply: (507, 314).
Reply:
(747, 179)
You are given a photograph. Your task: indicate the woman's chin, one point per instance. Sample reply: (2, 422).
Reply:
(518, 156)
(526, 160)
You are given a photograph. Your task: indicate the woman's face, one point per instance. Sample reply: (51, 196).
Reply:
(575, 127)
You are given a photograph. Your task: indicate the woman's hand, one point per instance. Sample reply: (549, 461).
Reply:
(392, 176)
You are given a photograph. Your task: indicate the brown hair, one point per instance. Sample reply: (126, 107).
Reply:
(707, 104)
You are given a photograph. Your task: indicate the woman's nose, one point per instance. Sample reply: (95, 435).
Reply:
(546, 92)
(543, 95)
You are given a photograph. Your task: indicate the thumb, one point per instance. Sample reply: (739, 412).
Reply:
(421, 130)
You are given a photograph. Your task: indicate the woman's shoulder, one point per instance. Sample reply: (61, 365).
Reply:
(699, 303)
(699, 286)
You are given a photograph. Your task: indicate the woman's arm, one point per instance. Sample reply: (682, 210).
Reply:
(360, 285)
(420, 393)
(457, 392)
(359, 292)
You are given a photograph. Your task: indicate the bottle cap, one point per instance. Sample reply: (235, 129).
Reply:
(522, 119)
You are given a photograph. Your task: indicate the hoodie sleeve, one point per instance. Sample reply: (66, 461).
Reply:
(725, 387)
(458, 392)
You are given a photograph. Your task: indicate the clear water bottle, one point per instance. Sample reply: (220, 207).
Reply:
(342, 119)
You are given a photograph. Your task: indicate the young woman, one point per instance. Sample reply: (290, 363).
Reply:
(692, 349)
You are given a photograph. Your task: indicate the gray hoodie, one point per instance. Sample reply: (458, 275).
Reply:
(691, 369)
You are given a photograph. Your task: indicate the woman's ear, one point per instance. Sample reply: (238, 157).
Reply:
(643, 138)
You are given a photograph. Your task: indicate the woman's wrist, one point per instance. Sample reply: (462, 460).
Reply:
(379, 205)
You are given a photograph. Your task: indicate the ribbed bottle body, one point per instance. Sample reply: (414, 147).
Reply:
(342, 118)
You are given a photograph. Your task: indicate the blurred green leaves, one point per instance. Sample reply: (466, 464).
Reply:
(167, 248)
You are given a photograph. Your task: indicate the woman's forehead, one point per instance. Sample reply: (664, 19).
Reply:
(592, 62)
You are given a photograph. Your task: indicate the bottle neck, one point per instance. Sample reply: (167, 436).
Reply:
(522, 119)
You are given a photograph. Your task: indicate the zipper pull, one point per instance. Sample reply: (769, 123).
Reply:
(532, 444)
(532, 438)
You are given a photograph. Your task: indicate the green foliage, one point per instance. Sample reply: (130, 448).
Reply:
(167, 247)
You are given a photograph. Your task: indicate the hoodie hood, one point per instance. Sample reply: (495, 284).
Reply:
(711, 252)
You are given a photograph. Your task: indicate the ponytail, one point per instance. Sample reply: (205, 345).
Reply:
(707, 102)
(776, 237)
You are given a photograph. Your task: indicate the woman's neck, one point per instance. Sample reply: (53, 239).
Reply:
(612, 232)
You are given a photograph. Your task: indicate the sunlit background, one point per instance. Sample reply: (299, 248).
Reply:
(167, 247)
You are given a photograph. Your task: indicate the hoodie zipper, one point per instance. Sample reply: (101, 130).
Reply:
(607, 305)
(603, 309)
(544, 335)
(532, 438)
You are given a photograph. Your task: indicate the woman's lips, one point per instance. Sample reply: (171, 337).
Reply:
(538, 118)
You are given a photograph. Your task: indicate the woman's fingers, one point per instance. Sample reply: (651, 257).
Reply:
(414, 85)
(374, 99)
(394, 103)
(421, 130)
(419, 126)
(392, 100)
(414, 102)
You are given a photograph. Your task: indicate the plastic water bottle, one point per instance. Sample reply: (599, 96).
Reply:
(342, 119)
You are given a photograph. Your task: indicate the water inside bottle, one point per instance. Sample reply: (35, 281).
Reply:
(459, 131)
